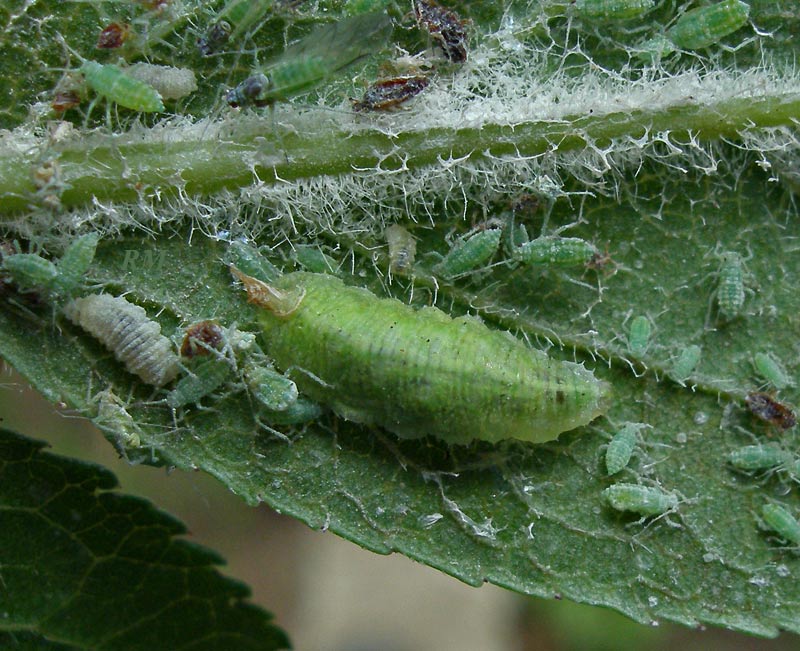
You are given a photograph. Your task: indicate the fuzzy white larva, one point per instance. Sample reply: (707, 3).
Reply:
(127, 331)
(169, 82)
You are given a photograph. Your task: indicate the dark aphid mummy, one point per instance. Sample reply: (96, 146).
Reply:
(201, 339)
(126, 330)
(765, 407)
(113, 36)
(445, 27)
(63, 100)
(390, 93)
(417, 372)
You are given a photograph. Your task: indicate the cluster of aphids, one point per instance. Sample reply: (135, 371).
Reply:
(693, 30)
(210, 356)
(304, 65)
(474, 251)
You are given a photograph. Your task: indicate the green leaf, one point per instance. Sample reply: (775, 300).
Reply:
(668, 166)
(86, 568)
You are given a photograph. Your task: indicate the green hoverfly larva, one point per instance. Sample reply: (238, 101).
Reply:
(314, 59)
(705, 26)
(417, 372)
(127, 331)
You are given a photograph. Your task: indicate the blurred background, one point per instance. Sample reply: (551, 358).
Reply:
(329, 594)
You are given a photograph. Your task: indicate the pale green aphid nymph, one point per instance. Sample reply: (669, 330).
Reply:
(417, 372)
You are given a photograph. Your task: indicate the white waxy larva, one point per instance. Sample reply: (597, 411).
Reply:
(639, 336)
(705, 26)
(613, 9)
(126, 330)
(685, 363)
(470, 253)
(402, 249)
(781, 522)
(770, 368)
(169, 82)
(644, 500)
(620, 448)
(117, 86)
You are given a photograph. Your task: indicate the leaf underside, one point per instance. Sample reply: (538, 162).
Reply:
(529, 518)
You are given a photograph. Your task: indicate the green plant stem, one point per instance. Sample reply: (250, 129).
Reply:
(119, 169)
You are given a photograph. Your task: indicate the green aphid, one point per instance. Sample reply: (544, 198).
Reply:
(31, 271)
(705, 26)
(781, 522)
(313, 259)
(620, 448)
(205, 376)
(654, 49)
(234, 20)
(612, 9)
(685, 363)
(555, 251)
(754, 458)
(300, 411)
(314, 59)
(273, 390)
(644, 500)
(251, 261)
(111, 82)
(469, 254)
(114, 418)
(417, 372)
(639, 336)
(730, 291)
(75, 262)
(770, 368)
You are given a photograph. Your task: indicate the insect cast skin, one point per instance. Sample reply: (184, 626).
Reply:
(418, 372)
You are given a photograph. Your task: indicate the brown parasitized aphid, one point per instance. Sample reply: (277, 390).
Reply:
(445, 27)
(764, 406)
(201, 338)
(390, 93)
(113, 36)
